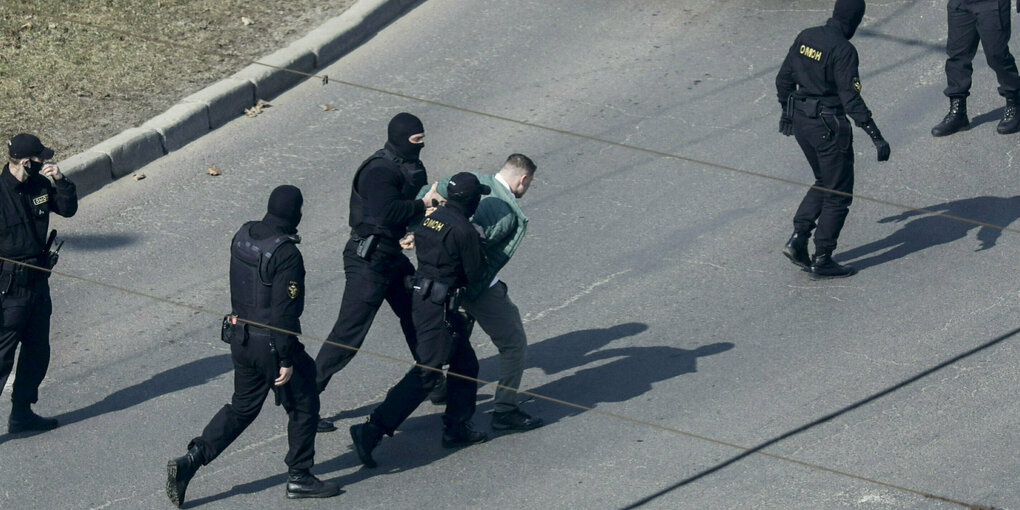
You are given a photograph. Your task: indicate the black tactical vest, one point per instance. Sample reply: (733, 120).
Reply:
(251, 284)
(365, 224)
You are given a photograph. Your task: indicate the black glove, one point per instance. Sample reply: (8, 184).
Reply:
(786, 125)
(881, 145)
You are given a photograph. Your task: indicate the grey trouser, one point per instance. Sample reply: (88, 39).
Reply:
(500, 319)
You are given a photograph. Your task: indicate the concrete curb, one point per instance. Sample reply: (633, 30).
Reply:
(221, 102)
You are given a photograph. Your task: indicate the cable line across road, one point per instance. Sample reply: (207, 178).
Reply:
(745, 451)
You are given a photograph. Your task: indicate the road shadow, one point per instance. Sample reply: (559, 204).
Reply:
(631, 372)
(195, 373)
(929, 230)
(986, 117)
(97, 242)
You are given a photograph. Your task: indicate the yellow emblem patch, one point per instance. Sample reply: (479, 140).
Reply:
(292, 290)
(856, 82)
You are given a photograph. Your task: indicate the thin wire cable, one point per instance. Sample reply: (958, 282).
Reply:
(327, 80)
(746, 451)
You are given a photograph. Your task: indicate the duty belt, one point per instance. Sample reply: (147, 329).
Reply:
(19, 274)
(812, 107)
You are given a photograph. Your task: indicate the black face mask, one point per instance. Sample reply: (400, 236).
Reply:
(32, 168)
(401, 127)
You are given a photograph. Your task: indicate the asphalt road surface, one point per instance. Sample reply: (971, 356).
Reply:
(651, 279)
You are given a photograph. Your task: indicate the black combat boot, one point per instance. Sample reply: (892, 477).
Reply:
(823, 268)
(796, 250)
(22, 419)
(462, 435)
(324, 426)
(515, 420)
(302, 484)
(1010, 123)
(955, 120)
(366, 437)
(179, 472)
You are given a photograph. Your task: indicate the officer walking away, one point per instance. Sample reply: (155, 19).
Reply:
(450, 258)
(818, 85)
(26, 199)
(488, 300)
(382, 205)
(970, 22)
(267, 284)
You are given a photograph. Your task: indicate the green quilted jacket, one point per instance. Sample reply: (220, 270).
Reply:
(504, 223)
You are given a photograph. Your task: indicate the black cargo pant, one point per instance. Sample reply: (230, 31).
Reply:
(827, 142)
(368, 284)
(255, 369)
(26, 310)
(987, 22)
(436, 347)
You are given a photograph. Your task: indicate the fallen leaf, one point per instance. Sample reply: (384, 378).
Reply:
(327, 108)
(53, 25)
(214, 171)
(257, 109)
(246, 20)
(138, 176)
(27, 26)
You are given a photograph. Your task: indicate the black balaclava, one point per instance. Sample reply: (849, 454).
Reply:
(401, 127)
(285, 206)
(849, 14)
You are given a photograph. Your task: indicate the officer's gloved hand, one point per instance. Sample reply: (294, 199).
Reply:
(883, 149)
(881, 145)
(786, 125)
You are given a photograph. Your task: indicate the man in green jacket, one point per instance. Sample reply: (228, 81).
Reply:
(504, 225)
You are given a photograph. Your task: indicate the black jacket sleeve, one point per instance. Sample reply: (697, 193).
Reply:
(468, 244)
(288, 301)
(64, 197)
(848, 84)
(785, 83)
(381, 186)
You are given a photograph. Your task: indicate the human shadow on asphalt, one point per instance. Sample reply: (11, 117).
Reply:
(824, 419)
(928, 231)
(97, 242)
(622, 373)
(986, 117)
(195, 373)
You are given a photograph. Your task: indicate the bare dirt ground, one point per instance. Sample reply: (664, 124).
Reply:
(70, 74)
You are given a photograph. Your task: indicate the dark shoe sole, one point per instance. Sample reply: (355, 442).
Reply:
(177, 498)
(816, 276)
(310, 495)
(364, 456)
(937, 135)
(324, 426)
(1008, 131)
(798, 263)
(14, 428)
(535, 423)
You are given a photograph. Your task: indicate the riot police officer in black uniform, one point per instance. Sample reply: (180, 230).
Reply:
(450, 257)
(818, 86)
(987, 22)
(382, 205)
(267, 288)
(26, 199)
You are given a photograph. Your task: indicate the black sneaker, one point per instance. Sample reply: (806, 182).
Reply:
(26, 420)
(515, 420)
(179, 472)
(824, 268)
(302, 484)
(463, 435)
(366, 437)
(325, 426)
(796, 250)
